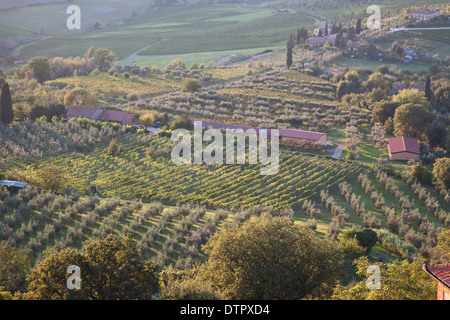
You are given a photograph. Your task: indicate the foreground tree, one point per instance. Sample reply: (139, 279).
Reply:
(116, 270)
(48, 280)
(185, 285)
(441, 252)
(14, 265)
(6, 109)
(111, 269)
(271, 258)
(398, 281)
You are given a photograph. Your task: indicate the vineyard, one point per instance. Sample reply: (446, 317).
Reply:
(35, 221)
(133, 175)
(271, 99)
(172, 210)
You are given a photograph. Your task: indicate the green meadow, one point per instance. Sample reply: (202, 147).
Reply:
(152, 31)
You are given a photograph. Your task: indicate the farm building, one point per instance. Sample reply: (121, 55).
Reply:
(424, 14)
(122, 117)
(291, 135)
(302, 136)
(331, 38)
(440, 272)
(316, 42)
(321, 31)
(421, 87)
(403, 148)
(13, 185)
(352, 47)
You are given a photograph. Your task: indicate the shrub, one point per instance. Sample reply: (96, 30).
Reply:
(366, 237)
(114, 147)
(182, 122)
(421, 173)
(191, 85)
(52, 178)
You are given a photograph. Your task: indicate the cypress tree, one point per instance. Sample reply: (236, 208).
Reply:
(289, 55)
(358, 26)
(428, 88)
(6, 110)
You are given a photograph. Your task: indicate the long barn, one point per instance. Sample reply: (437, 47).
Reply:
(289, 135)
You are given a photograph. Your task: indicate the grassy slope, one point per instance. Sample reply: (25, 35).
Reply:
(212, 28)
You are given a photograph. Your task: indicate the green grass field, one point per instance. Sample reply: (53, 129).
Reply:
(189, 58)
(194, 29)
(343, 61)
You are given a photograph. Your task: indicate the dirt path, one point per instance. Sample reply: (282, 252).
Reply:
(337, 152)
(418, 29)
(134, 54)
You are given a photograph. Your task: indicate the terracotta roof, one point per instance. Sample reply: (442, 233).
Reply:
(290, 133)
(81, 112)
(301, 134)
(424, 11)
(403, 144)
(421, 87)
(222, 126)
(318, 39)
(439, 271)
(334, 71)
(115, 115)
(352, 44)
(95, 114)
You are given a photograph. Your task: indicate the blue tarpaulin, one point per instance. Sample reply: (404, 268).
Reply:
(14, 184)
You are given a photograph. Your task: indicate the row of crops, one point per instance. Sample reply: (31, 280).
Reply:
(35, 220)
(269, 99)
(134, 175)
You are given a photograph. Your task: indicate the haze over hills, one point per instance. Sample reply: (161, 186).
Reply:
(90, 153)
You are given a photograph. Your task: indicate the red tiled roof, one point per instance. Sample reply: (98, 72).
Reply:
(115, 115)
(290, 133)
(316, 39)
(301, 134)
(403, 144)
(95, 114)
(424, 11)
(440, 271)
(352, 44)
(80, 112)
